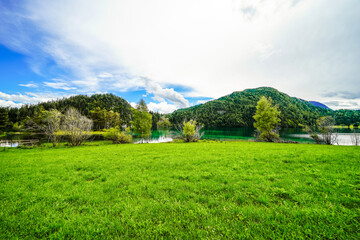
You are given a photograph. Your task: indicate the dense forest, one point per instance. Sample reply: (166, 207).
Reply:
(234, 110)
(238, 109)
(106, 110)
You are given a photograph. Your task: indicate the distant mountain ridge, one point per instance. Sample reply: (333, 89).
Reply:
(238, 108)
(319, 104)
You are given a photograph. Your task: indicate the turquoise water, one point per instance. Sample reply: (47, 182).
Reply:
(220, 133)
(344, 135)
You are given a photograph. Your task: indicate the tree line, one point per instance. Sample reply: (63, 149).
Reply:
(105, 110)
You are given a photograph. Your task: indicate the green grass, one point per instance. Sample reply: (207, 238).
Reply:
(201, 190)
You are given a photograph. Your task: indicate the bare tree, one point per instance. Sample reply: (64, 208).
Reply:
(355, 138)
(326, 127)
(76, 126)
(51, 126)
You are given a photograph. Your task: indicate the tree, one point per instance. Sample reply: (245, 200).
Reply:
(76, 126)
(190, 131)
(4, 118)
(142, 120)
(355, 137)
(52, 125)
(266, 118)
(326, 128)
(163, 123)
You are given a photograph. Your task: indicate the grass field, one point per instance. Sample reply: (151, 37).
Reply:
(181, 191)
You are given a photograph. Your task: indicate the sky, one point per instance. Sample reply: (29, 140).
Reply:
(175, 54)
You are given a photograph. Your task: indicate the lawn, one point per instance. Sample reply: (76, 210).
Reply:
(214, 190)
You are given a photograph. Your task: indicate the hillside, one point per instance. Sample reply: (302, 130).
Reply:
(238, 109)
(83, 103)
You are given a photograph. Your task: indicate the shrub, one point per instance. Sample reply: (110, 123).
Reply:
(191, 131)
(117, 136)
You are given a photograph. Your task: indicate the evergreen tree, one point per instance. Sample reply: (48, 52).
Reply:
(142, 120)
(4, 118)
(266, 118)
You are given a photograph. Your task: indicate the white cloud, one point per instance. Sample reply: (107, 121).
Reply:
(211, 47)
(133, 104)
(162, 107)
(202, 101)
(28, 98)
(29, 85)
(5, 103)
(164, 93)
(105, 75)
(59, 84)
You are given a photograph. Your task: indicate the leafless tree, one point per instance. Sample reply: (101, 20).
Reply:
(76, 126)
(51, 126)
(355, 138)
(326, 127)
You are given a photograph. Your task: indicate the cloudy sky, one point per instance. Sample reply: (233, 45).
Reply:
(176, 54)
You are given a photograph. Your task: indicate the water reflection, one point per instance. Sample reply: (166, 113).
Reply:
(219, 133)
(8, 144)
(160, 139)
(345, 139)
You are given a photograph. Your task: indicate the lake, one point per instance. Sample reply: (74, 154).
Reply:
(344, 135)
(220, 133)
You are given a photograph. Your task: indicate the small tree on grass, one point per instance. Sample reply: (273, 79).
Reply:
(190, 131)
(117, 136)
(76, 126)
(52, 125)
(266, 119)
(142, 120)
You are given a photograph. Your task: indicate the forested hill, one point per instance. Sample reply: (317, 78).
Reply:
(85, 104)
(238, 109)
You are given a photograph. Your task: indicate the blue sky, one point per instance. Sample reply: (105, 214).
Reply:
(176, 54)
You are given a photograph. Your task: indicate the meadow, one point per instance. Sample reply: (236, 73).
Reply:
(215, 190)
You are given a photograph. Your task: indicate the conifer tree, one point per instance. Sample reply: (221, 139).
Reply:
(4, 118)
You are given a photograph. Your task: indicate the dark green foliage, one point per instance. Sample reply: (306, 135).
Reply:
(4, 118)
(155, 119)
(104, 119)
(83, 103)
(181, 191)
(163, 123)
(347, 117)
(238, 109)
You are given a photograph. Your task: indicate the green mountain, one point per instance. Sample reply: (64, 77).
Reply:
(85, 104)
(237, 109)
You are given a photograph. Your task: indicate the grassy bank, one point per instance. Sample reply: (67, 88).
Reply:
(187, 191)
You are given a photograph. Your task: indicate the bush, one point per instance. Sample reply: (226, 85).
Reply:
(117, 136)
(191, 131)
